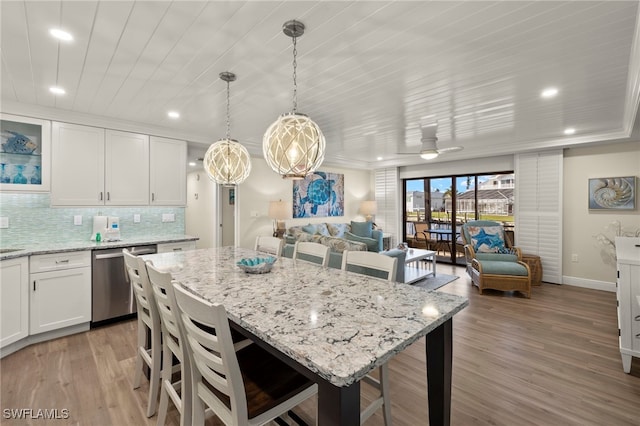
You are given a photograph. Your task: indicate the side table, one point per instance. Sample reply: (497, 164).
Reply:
(386, 241)
(535, 265)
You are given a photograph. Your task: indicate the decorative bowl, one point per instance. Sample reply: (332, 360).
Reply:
(256, 265)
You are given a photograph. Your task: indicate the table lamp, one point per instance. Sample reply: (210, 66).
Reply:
(368, 209)
(279, 211)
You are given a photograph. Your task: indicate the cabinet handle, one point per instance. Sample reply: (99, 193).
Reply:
(62, 261)
(177, 249)
(34, 285)
(101, 198)
(108, 196)
(153, 196)
(637, 318)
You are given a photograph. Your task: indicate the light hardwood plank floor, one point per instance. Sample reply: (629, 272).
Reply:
(549, 360)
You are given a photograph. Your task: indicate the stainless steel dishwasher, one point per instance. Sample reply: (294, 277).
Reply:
(111, 292)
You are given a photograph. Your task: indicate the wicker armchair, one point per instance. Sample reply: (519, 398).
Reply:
(491, 263)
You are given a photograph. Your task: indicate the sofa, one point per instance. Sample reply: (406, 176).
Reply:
(340, 237)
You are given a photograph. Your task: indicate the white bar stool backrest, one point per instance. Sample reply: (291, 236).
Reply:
(370, 260)
(269, 244)
(312, 250)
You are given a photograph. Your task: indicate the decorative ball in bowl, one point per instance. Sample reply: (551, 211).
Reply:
(256, 265)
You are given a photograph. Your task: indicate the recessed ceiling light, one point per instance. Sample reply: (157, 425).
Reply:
(549, 92)
(173, 114)
(569, 131)
(192, 164)
(379, 158)
(60, 34)
(57, 90)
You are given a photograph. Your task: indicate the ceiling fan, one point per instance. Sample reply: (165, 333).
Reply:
(429, 149)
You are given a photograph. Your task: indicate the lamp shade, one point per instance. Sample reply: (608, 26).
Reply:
(227, 162)
(369, 208)
(293, 146)
(279, 210)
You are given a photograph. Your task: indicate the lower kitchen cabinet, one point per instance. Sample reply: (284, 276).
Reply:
(180, 246)
(14, 300)
(60, 290)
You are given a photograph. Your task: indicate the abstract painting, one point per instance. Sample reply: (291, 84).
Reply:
(320, 194)
(615, 193)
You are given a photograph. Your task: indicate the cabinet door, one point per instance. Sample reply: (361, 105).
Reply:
(168, 172)
(77, 172)
(60, 299)
(126, 169)
(14, 300)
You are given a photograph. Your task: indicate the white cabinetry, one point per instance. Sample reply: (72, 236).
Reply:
(180, 246)
(628, 293)
(77, 177)
(60, 290)
(168, 172)
(126, 169)
(14, 300)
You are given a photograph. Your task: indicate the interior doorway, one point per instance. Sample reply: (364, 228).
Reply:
(227, 214)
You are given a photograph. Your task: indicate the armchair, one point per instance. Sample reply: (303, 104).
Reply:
(491, 263)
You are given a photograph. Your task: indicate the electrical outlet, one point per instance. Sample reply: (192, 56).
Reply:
(168, 217)
(574, 258)
(136, 218)
(4, 222)
(77, 220)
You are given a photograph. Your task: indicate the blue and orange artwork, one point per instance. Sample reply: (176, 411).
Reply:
(320, 194)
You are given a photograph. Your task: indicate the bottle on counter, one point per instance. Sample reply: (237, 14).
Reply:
(98, 237)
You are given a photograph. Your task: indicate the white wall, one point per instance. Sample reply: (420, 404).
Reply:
(264, 185)
(580, 224)
(200, 220)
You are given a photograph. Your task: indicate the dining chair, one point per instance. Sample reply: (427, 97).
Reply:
(269, 244)
(173, 345)
(148, 322)
(245, 387)
(312, 252)
(368, 263)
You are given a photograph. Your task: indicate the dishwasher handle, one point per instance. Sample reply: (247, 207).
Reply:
(140, 252)
(109, 256)
(132, 250)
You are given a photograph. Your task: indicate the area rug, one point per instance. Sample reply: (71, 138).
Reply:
(436, 282)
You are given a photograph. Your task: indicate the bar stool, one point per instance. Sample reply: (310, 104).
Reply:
(148, 322)
(312, 252)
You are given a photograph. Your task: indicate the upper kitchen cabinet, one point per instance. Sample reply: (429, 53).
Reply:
(168, 172)
(24, 153)
(126, 169)
(96, 167)
(77, 172)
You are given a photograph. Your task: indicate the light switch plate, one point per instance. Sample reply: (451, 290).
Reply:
(136, 218)
(168, 217)
(77, 219)
(4, 222)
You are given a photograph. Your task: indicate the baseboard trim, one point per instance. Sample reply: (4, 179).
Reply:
(42, 337)
(587, 283)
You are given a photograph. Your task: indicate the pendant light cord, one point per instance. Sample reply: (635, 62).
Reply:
(295, 82)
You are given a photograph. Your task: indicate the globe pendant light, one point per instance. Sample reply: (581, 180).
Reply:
(226, 161)
(293, 145)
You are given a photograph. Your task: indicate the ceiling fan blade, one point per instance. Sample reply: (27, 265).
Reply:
(450, 149)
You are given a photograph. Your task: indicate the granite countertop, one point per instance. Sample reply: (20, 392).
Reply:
(338, 324)
(58, 247)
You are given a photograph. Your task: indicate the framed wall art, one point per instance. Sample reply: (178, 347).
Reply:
(320, 194)
(614, 193)
(25, 145)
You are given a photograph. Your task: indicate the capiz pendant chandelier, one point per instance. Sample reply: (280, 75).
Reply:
(226, 161)
(293, 145)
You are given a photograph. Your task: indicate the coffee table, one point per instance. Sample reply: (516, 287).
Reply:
(414, 270)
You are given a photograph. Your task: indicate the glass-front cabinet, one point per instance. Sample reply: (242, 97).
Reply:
(24, 153)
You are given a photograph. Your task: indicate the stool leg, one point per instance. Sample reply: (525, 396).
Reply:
(140, 346)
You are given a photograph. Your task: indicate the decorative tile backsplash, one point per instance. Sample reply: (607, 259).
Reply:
(32, 220)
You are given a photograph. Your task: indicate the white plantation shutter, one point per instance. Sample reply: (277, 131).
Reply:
(538, 209)
(387, 188)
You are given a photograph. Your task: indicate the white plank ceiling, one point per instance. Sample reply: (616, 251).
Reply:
(369, 72)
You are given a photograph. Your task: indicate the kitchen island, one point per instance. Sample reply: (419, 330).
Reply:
(331, 325)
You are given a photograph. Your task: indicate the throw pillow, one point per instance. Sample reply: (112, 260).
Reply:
(338, 229)
(362, 229)
(486, 239)
(372, 245)
(309, 229)
(322, 229)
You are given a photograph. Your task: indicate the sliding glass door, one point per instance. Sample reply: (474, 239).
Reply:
(436, 207)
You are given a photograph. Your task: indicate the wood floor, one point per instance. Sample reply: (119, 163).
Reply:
(549, 360)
